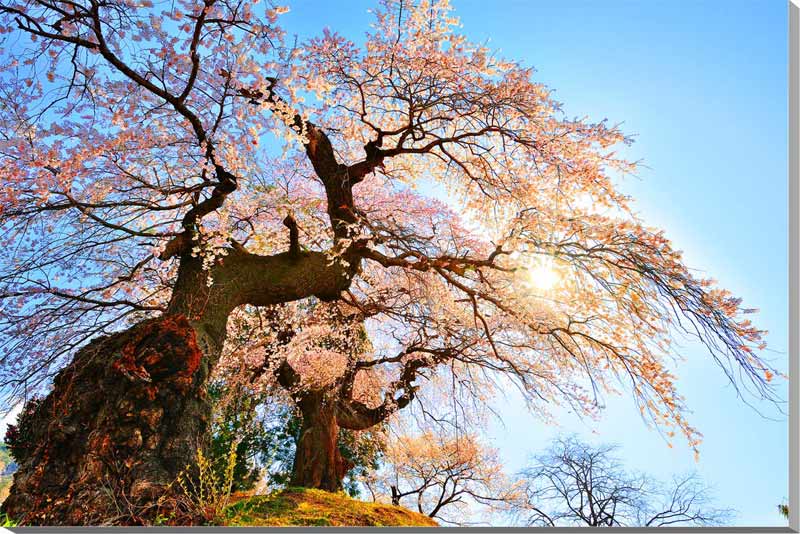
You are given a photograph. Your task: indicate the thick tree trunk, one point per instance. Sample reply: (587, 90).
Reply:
(118, 427)
(128, 414)
(318, 462)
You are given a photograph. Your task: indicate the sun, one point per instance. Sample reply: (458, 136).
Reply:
(543, 275)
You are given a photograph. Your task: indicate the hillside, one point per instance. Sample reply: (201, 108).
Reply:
(306, 507)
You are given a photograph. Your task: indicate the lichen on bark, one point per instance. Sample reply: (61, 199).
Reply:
(115, 431)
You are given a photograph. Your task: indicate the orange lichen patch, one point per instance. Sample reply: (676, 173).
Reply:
(163, 349)
(150, 391)
(109, 419)
(101, 445)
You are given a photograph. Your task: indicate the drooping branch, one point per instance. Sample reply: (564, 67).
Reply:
(446, 114)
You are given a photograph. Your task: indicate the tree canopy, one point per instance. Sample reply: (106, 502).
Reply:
(132, 130)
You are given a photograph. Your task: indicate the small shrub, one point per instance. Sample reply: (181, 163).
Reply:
(207, 488)
(7, 522)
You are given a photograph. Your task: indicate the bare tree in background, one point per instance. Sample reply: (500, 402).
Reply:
(575, 483)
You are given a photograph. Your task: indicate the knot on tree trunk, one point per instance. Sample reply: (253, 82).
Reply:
(114, 432)
(161, 353)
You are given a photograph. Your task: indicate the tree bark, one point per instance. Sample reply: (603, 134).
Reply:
(318, 463)
(129, 413)
(118, 427)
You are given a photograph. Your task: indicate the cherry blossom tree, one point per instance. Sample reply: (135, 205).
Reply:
(167, 166)
(442, 475)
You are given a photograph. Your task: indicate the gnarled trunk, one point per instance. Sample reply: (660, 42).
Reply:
(318, 463)
(117, 428)
(128, 414)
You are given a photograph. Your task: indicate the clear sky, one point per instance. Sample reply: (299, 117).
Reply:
(703, 87)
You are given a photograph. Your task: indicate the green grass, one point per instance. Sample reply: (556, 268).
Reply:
(6, 521)
(309, 507)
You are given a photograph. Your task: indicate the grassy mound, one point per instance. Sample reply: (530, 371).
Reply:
(309, 507)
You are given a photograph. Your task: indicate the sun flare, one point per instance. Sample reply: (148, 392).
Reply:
(543, 277)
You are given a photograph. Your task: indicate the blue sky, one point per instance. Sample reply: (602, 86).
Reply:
(702, 85)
